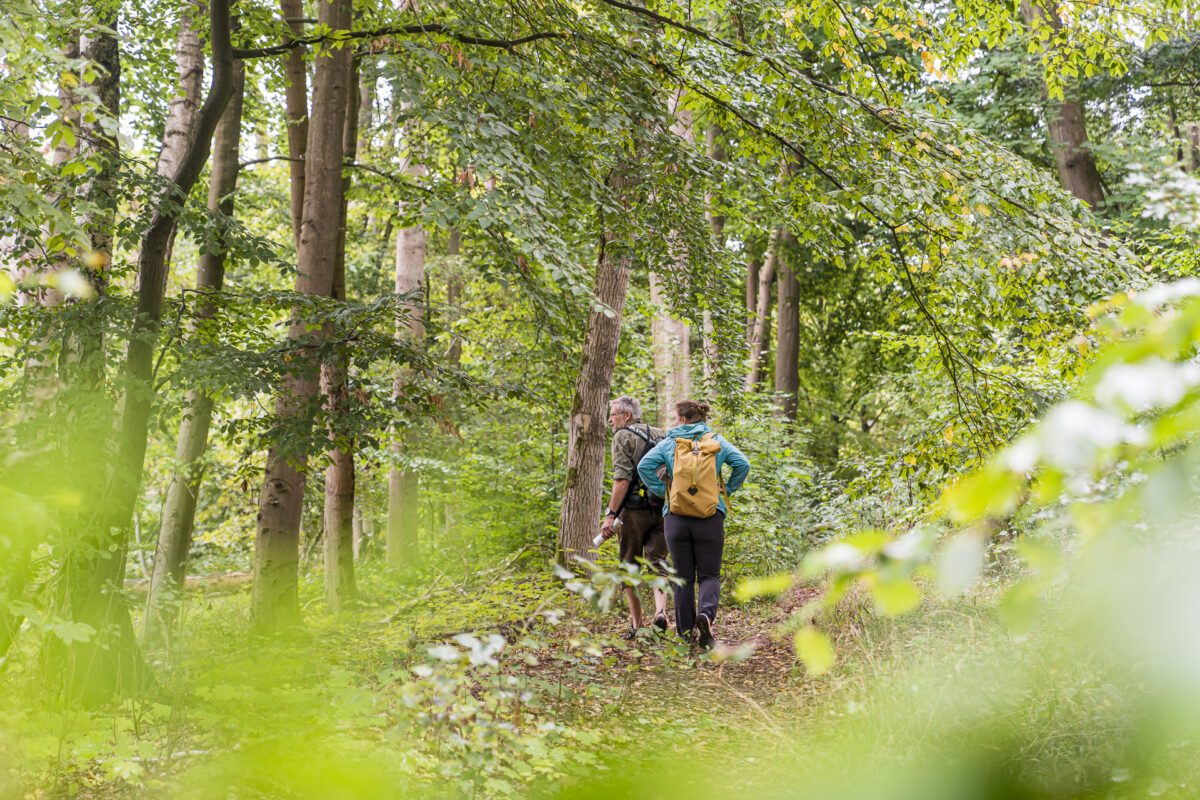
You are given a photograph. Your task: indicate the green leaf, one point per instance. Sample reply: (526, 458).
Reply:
(72, 631)
(1019, 607)
(758, 587)
(895, 597)
(814, 649)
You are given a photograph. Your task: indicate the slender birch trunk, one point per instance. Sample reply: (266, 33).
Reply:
(671, 350)
(716, 223)
(669, 335)
(179, 506)
(274, 602)
(403, 487)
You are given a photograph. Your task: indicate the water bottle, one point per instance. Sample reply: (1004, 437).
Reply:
(599, 540)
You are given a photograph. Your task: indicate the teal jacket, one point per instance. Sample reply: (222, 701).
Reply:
(663, 455)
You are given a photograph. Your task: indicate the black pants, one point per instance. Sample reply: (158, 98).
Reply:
(696, 546)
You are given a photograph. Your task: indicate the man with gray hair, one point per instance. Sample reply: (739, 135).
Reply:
(640, 512)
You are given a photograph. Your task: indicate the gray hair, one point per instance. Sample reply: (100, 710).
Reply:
(628, 405)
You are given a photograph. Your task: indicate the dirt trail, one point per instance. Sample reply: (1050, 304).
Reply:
(660, 679)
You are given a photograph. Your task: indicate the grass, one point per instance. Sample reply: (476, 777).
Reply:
(361, 707)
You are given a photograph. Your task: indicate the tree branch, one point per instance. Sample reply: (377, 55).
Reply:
(397, 30)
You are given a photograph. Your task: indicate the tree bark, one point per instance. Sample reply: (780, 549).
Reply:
(1194, 149)
(366, 112)
(274, 602)
(759, 333)
(183, 107)
(95, 572)
(364, 531)
(340, 588)
(403, 487)
(753, 265)
(670, 344)
(1066, 126)
(579, 518)
(179, 506)
(454, 290)
(787, 338)
(717, 223)
(669, 335)
(295, 111)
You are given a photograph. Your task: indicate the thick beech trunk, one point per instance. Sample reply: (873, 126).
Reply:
(579, 518)
(760, 329)
(179, 507)
(787, 338)
(295, 111)
(1066, 126)
(403, 488)
(274, 602)
(340, 587)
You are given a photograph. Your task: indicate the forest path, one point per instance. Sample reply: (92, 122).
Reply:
(666, 701)
(769, 668)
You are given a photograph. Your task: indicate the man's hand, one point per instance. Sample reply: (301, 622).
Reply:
(606, 530)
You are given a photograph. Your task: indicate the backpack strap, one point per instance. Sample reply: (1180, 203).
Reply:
(635, 484)
(720, 480)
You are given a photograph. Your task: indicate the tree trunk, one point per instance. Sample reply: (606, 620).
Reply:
(787, 339)
(579, 519)
(454, 294)
(717, 223)
(1066, 126)
(295, 111)
(274, 602)
(669, 335)
(179, 507)
(759, 338)
(363, 532)
(340, 588)
(753, 265)
(1194, 149)
(403, 496)
(183, 107)
(366, 112)
(670, 343)
(95, 572)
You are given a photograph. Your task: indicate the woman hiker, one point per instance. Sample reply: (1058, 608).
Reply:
(695, 511)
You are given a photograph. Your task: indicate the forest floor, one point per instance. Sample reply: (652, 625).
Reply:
(399, 698)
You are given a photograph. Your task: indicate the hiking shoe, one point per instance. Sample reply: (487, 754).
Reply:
(629, 635)
(704, 626)
(660, 623)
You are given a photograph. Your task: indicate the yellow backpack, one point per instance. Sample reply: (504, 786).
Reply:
(695, 485)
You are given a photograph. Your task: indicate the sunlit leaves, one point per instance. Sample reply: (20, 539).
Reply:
(814, 649)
